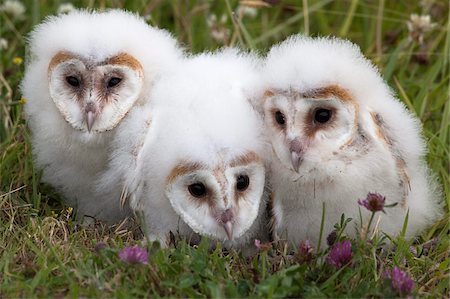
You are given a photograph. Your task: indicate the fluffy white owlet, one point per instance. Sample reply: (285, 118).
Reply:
(199, 169)
(338, 133)
(86, 70)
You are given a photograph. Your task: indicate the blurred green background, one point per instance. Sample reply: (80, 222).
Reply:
(42, 252)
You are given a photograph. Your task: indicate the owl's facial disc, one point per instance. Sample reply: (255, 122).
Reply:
(224, 218)
(288, 144)
(222, 201)
(94, 96)
(318, 118)
(105, 82)
(308, 126)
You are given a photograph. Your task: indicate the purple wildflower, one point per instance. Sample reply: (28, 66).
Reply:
(134, 255)
(305, 252)
(401, 282)
(374, 202)
(340, 254)
(257, 243)
(262, 246)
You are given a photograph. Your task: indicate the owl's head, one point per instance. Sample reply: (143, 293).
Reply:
(220, 200)
(309, 125)
(94, 95)
(96, 65)
(322, 102)
(205, 146)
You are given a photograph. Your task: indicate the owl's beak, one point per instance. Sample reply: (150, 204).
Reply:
(228, 227)
(226, 219)
(297, 149)
(90, 119)
(90, 115)
(296, 160)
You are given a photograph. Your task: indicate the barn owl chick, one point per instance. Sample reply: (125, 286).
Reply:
(199, 170)
(338, 133)
(86, 71)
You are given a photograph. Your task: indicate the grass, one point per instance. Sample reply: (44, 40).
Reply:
(44, 252)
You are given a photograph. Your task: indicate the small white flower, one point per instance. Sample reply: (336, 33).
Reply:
(244, 10)
(3, 44)
(219, 32)
(65, 8)
(223, 18)
(14, 8)
(420, 23)
(211, 20)
(418, 26)
(220, 35)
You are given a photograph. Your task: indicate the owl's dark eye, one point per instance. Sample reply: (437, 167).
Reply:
(114, 81)
(73, 81)
(279, 117)
(197, 190)
(322, 115)
(242, 182)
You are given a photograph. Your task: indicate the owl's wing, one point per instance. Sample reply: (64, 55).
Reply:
(123, 172)
(382, 132)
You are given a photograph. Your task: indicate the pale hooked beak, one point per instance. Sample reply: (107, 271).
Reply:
(228, 227)
(90, 115)
(226, 219)
(297, 149)
(296, 160)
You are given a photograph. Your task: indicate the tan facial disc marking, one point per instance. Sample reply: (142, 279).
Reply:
(125, 60)
(59, 58)
(245, 159)
(183, 168)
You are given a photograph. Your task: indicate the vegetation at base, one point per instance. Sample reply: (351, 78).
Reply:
(45, 252)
